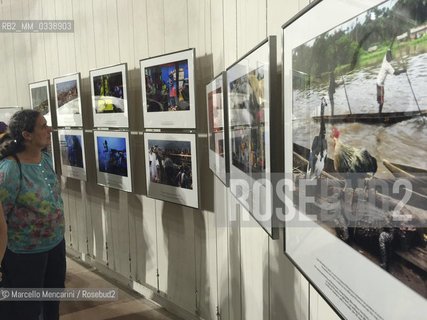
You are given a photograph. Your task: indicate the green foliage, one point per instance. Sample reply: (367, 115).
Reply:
(344, 50)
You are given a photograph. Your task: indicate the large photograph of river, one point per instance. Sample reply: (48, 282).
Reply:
(359, 113)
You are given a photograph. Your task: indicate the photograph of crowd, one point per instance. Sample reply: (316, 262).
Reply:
(108, 91)
(167, 87)
(170, 163)
(67, 97)
(247, 147)
(39, 99)
(71, 150)
(112, 155)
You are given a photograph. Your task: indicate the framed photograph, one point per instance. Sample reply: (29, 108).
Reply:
(249, 124)
(68, 101)
(40, 99)
(113, 160)
(109, 97)
(72, 151)
(354, 115)
(171, 167)
(216, 92)
(7, 113)
(168, 98)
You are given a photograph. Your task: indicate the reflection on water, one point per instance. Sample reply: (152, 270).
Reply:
(403, 142)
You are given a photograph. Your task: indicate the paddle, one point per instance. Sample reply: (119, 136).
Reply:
(410, 84)
(345, 90)
(407, 77)
(415, 97)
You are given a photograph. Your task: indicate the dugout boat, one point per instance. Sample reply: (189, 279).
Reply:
(386, 118)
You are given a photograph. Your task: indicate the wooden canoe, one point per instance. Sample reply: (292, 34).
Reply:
(386, 118)
(401, 170)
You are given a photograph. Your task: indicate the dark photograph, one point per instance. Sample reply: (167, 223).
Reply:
(109, 96)
(248, 149)
(167, 87)
(112, 155)
(170, 163)
(71, 150)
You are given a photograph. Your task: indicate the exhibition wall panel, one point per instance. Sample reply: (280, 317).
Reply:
(143, 240)
(176, 253)
(220, 207)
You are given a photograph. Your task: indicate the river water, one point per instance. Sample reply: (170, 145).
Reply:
(404, 142)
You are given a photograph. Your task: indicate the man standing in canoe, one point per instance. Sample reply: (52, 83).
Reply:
(386, 68)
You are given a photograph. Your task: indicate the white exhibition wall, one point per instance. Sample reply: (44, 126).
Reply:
(186, 257)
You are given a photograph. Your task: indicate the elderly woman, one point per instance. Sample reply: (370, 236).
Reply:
(33, 208)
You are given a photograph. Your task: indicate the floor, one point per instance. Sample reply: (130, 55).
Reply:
(129, 305)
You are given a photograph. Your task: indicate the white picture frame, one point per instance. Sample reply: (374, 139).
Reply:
(72, 153)
(249, 129)
(216, 93)
(170, 174)
(163, 105)
(7, 112)
(350, 279)
(114, 173)
(109, 97)
(40, 99)
(68, 100)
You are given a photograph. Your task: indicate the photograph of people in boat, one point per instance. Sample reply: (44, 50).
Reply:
(170, 163)
(359, 107)
(71, 150)
(112, 155)
(248, 149)
(216, 125)
(39, 99)
(67, 96)
(109, 96)
(167, 87)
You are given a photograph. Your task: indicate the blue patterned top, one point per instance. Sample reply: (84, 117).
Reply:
(33, 205)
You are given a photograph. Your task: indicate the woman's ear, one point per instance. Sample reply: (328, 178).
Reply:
(26, 135)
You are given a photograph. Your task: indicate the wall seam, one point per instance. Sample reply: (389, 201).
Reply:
(188, 26)
(94, 37)
(44, 45)
(223, 37)
(32, 63)
(57, 51)
(118, 30)
(164, 27)
(146, 28)
(14, 60)
(74, 40)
